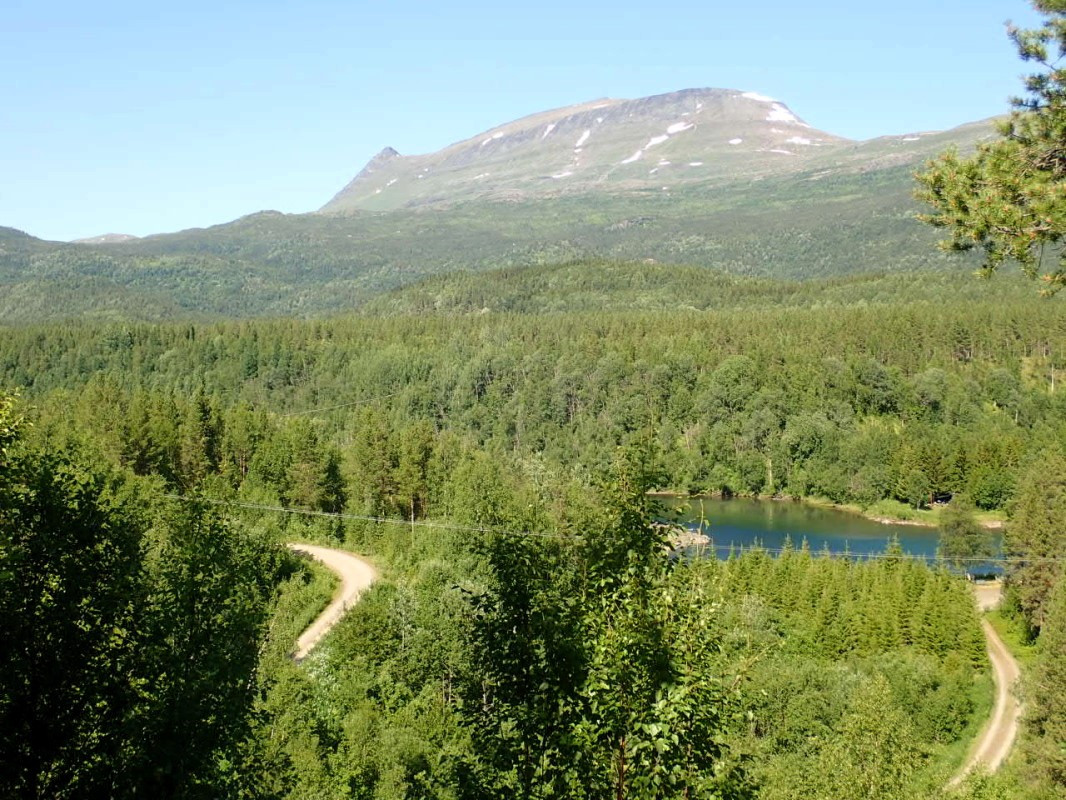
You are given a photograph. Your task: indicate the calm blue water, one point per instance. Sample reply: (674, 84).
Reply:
(744, 523)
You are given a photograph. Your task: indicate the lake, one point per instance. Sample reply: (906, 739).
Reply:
(743, 523)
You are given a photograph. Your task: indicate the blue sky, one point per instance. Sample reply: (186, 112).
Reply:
(142, 118)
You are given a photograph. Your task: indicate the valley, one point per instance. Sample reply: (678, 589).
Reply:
(376, 501)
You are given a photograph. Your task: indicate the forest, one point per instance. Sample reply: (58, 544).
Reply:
(531, 635)
(857, 220)
(489, 420)
(884, 406)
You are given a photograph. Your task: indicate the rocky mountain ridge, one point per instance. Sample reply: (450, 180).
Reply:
(607, 145)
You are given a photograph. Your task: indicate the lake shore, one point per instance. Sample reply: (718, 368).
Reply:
(919, 518)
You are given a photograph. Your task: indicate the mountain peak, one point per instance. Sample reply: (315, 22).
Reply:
(649, 143)
(106, 238)
(368, 173)
(385, 154)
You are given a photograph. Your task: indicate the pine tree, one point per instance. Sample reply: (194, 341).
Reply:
(1008, 198)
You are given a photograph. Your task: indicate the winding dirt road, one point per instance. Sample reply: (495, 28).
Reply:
(990, 751)
(994, 744)
(356, 575)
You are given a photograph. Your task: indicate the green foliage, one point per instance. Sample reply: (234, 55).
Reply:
(1046, 693)
(874, 751)
(592, 681)
(1007, 199)
(132, 632)
(489, 664)
(832, 641)
(71, 594)
(742, 401)
(963, 542)
(982, 786)
(1036, 535)
(9, 425)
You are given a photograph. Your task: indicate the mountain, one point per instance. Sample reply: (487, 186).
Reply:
(604, 145)
(660, 143)
(827, 207)
(106, 238)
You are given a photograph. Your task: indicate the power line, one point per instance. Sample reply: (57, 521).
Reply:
(720, 548)
(367, 518)
(995, 560)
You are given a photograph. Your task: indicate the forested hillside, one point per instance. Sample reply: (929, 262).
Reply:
(488, 662)
(494, 465)
(803, 226)
(908, 403)
(502, 422)
(483, 393)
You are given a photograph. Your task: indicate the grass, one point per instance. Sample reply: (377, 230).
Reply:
(894, 511)
(901, 512)
(1011, 630)
(881, 511)
(301, 599)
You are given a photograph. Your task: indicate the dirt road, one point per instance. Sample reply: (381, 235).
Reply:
(991, 750)
(995, 741)
(355, 574)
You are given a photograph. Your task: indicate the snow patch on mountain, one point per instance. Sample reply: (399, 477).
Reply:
(584, 138)
(778, 113)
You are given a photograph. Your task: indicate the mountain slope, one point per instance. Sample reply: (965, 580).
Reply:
(689, 136)
(836, 208)
(106, 238)
(608, 286)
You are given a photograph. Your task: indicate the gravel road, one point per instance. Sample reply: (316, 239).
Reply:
(994, 744)
(356, 575)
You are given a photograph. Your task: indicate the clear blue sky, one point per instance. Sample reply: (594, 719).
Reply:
(149, 117)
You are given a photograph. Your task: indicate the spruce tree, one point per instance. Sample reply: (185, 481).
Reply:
(1047, 692)
(1036, 535)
